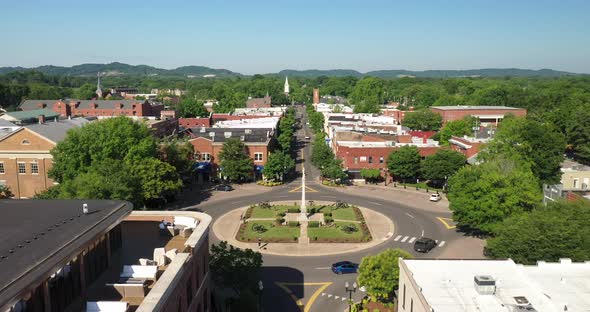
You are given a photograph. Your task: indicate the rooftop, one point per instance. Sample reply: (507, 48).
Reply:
(265, 122)
(56, 131)
(570, 165)
(468, 107)
(38, 234)
(448, 285)
(30, 115)
(257, 135)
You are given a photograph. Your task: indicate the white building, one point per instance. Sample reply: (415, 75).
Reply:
(254, 123)
(492, 286)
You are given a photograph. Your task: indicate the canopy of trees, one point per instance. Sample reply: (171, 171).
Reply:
(236, 164)
(404, 163)
(380, 273)
(425, 120)
(442, 165)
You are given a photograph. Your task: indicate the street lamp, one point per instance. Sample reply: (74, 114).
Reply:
(260, 288)
(350, 290)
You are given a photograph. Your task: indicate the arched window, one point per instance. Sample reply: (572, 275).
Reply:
(25, 142)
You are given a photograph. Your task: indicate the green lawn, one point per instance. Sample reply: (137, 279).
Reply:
(258, 212)
(333, 232)
(342, 213)
(272, 232)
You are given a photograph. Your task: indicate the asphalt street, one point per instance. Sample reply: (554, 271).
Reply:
(309, 281)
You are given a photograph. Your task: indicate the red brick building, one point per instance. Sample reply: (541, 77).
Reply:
(467, 146)
(486, 114)
(188, 123)
(259, 102)
(96, 108)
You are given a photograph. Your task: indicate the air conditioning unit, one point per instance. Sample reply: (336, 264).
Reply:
(484, 284)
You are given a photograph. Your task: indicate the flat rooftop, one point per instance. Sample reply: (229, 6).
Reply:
(38, 234)
(448, 285)
(467, 107)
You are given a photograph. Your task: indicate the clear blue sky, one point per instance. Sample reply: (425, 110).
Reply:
(266, 36)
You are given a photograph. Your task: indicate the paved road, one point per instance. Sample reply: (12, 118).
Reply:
(309, 279)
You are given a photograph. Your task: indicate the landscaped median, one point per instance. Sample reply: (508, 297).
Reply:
(267, 231)
(343, 223)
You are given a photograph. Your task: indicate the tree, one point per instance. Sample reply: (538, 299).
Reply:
(157, 178)
(86, 91)
(333, 171)
(425, 120)
(370, 174)
(278, 165)
(578, 133)
(442, 165)
(379, 274)
(234, 268)
(190, 108)
(5, 192)
(404, 163)
(177, 154)
(321, 153)
(235, 162)
(483, 196)
(548, 233)
(367, 95)
(538, 144)
(458, 128)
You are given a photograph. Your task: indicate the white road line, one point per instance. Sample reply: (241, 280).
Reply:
(336, 297)
(343, 298)
(374, 203)
(441, 244)
(409, 215)
(412, 240)
(329, 295)
(397, 238)
(323, 294)
(323, 268)
(329, 196)
(283, 196)
(405, 239)
(238, 201)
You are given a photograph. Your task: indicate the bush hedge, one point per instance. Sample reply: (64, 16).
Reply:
(293, 223)
(313, 224)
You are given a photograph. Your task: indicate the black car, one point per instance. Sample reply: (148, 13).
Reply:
(424, 244)
(224, 188)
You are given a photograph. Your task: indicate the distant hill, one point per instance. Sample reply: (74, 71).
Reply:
(121, 69)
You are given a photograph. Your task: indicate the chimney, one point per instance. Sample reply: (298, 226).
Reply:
(41, 119)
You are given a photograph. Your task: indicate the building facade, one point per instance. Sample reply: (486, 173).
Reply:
(485, 114)
(97, 108)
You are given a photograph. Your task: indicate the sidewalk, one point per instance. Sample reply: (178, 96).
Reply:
(380, 226)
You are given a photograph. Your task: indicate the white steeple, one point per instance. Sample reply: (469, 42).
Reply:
(98, 87)
(286, 86)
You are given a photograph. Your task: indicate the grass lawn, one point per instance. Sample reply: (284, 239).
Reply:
(333, 232)
(258, 212)
(272, 232)
(341, 213)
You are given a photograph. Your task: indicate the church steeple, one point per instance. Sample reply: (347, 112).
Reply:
(286, 86)
(98, 87)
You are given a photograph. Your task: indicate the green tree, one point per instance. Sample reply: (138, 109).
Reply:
(559, 230)
(157, 178)
(483, 196)
(370, 174)
(457, 128)
(278, 166)
(425, 120)
(5, 192)
(404, 163)
(234, 268)
(321, 153)
(235, 161)
(442, 165)
(86, 91)
(189, 108)
(178, 154)
(379, 274)
(577, 130)
(367, 95)
(538, 144)
(333, 171)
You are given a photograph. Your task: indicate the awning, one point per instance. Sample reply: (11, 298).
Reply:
(258, 168)
(202, 166)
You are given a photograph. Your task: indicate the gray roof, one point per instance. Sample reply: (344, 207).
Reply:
(56, 131)
(7, 124)
(44, 234)
(101, 104)
(34, 104)
(261, 135)
(32, 114)
(466, 107)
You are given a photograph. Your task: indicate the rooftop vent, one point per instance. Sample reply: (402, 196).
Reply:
(523, 308)
(521, 300)
(484, 284)
(85, 208)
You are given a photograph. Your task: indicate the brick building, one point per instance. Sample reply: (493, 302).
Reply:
(208, 142)
(25, 158)
(485, 114)
(97, 108)
(259, 102)
(65, 260)
(188, 123)
(468, 146)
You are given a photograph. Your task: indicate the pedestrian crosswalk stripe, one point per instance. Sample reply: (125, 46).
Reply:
(397, 238)
(336, 297)
(343, 298)
(405, 239)
(412, 240)
(441, 244)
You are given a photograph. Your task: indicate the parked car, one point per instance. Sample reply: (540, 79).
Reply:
(224, 188)
(344, 267)
(424, 244)
(435, 197)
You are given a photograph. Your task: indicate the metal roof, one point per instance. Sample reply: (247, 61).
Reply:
(32, 114)
(467, 107)
(56, 131)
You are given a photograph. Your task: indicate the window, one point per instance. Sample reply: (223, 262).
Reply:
(2, 168)
(412, 305)
(404, 298)
(576, 182)
(381, 159)
(34, 167)
(205, 157)
(363, 158)
(370, 159)
(22, 168)
(356, 160)
(257, 156)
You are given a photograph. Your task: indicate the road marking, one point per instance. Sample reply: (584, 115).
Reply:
(374, 203)
(388, 235)
(422, 235)
(397, 238)
(412, 240)
(336, 297)
(441, 244)
(307, 189)
(329, 196)
(323, 294)
(446, 222)
(330, 296)
(306, 307)
(283, 196)
(409, 215)
(238, 201)
(323, 268)
(405, 239)
(343, 298)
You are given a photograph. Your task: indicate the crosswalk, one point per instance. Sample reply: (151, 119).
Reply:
(410, 239)
(340, 298)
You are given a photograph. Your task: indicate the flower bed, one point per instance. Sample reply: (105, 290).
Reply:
(251, 231)
(340, 232)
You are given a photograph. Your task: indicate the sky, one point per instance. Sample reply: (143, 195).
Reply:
(267, 36)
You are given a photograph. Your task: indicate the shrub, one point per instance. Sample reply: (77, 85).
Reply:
(327, 214)
(280, 220)
(264, 205)
(340, 204)
(328, 220)
(312, 210)
(258, 228)
(294, 238)
(315, 238)
(281, 214)
(313, 224)
(349, 228)
(293, 210)
(293, 223)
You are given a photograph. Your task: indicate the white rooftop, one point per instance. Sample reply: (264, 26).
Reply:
(448, 285)
(266, 122)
